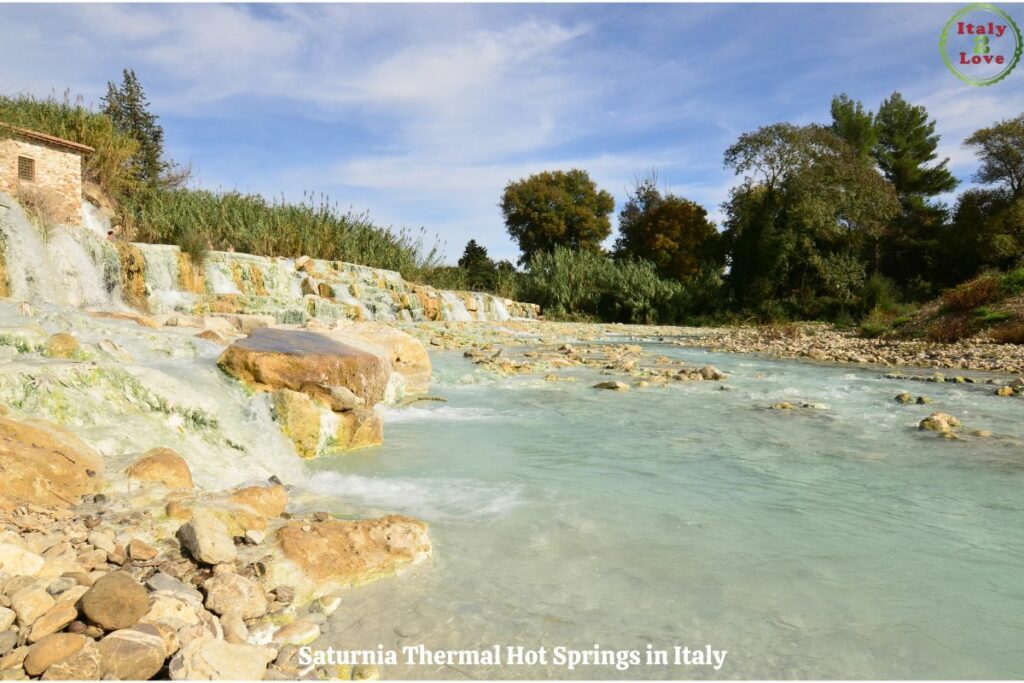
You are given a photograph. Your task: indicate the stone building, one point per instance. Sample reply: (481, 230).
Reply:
(43, 172)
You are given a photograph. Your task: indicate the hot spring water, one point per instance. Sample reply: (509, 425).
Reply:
(840, 543)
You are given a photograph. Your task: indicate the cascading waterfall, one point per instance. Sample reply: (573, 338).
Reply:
(454, 308)
(70, 266)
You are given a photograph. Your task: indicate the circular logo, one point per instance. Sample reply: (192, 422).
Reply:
(981, 44)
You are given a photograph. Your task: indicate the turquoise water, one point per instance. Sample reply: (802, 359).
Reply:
(839, 543)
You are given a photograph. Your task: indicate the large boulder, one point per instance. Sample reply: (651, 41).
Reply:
(210, 659)
(162, 466)
(132, 654)
(359, 428)
(324, 555)
(270, 359)
(46, 464)
(939, 422)
(408, 356)
(115, 601)
(299, 417)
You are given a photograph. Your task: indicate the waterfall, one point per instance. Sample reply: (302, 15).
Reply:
(454, 308)
(500, 310)
(71, 266)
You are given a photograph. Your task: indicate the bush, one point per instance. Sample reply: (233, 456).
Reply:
(1012, 333)
(1013, 281)
(981, 290)
(986, 316)
(951, 328)
(199, 219)
(581, 284)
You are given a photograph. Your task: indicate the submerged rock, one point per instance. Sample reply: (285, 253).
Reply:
(270, 359)
(333, 552)
(612, 386)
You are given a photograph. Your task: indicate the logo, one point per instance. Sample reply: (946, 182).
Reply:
(981, 44)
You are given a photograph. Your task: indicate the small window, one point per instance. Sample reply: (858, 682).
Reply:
(26, 169)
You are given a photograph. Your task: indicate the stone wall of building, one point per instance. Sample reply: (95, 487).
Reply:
(56, 192)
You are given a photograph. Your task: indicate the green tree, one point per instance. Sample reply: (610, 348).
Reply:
(556, 208)
(906, 153)
(854, 125)
(802, 228)
(480, 269)
(906, 146)
(128, 108)
(671, 232)
(1000, 148)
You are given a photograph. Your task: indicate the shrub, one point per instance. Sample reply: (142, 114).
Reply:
(969, 295)
(950, 328)
(1012, 333)
(986, 316)
(199, 219)
(1013, 281)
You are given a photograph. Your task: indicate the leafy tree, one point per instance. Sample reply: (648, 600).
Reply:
(804, 226)
(1000, 148)
(854, 125)
(556, 208)
(671, 232)
(480, 269)
(128, 107)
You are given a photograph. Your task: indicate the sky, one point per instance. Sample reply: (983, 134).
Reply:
(421, 114)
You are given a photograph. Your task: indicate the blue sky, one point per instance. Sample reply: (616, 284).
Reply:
(422, 113)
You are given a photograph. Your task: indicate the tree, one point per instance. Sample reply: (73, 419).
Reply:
(556, 208)
(805, 226)
(671, 232)
(128, 107)
(854, 125)
(1000, 148)
(480, 269)
(906, 145)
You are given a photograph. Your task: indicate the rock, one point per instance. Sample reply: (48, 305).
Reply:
(102, 540)
(612, 386)
(162, 466)
(235, 630)
(84, 665)
(178, 510)
(407, 355)
(213, 336)
(269, 501)
(284, 594)
(785, 405)
(30, 603)
(141, 551)
(270, 359)
(7, 617)
(359, 428)
(61, 345)
(255, 536)
(1004, 391)
(299, 417)
(115, 601)
(115, 351)
(923, 400)
(209, 659)
(335, 552)
(326, 605)
(55, 619)
(52, 649)
(137, 318)
(939, 422)
(338, 399)
(132, 654)
(166, 582)
(58, 586)
(8, 641)
(46, 464)
(365, 672)
(206, 538)
(14, 658)
(903, 397)
(298, 632)
(710, 372)
(18, 561)
(235, 593)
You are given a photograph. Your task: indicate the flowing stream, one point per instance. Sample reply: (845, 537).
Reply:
(840, 543)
